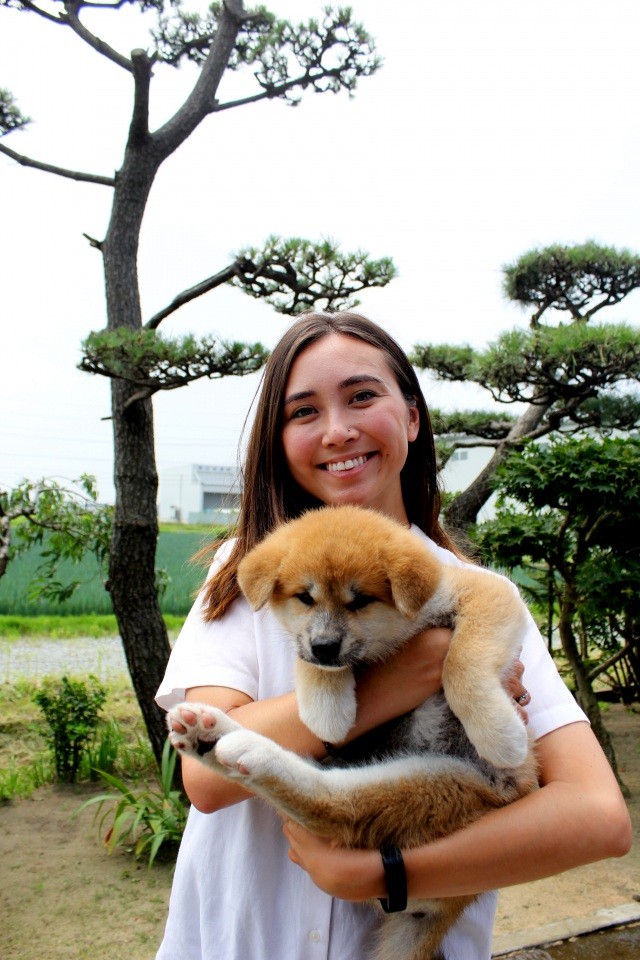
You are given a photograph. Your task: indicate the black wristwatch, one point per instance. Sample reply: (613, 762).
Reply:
(395, 879)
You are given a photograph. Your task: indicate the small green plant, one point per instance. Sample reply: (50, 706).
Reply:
(71, 708)
(143, 820)
(103, 752)
(18, 781)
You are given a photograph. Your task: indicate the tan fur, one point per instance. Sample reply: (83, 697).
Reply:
(351, 586)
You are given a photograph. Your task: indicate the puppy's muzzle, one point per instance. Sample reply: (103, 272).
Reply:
(326, 651)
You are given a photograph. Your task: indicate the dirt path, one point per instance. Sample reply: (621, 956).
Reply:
(580, 892)
(65, 898)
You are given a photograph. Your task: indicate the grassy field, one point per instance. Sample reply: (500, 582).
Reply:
(57, 627)
(176, 548)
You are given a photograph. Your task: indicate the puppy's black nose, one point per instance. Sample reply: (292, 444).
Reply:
(326, 652)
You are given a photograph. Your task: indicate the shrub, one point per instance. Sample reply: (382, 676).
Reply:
(72, 711)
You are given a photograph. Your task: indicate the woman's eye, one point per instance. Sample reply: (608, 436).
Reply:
(363, 395)
(302, 412)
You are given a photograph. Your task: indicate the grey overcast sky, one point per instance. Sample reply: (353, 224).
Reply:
(493, 127)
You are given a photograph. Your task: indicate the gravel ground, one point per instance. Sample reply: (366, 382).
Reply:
(37, 657)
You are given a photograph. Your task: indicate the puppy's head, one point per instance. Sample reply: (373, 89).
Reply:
(345, 582)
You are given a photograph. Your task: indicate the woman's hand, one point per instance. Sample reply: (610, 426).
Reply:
(404, 681)
(347, 874)
(515, 688)
(413, 674)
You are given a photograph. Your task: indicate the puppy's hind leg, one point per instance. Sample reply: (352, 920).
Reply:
(296, 787)
(194, 729)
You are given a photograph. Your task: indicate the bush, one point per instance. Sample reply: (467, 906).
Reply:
(72, 711)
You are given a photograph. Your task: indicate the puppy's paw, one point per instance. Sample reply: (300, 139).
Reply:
(247, 755)
(195, 728)
(505, 744)
(330, 722)
(326, 700)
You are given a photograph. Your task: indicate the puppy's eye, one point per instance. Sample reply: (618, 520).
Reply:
(306, 598)
(359, 601)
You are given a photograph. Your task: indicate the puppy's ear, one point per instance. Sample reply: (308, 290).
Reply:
(413, 577)
(258, 574)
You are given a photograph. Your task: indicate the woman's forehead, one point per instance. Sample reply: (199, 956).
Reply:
(339, 358)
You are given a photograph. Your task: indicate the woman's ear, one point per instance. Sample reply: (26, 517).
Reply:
(414, 423)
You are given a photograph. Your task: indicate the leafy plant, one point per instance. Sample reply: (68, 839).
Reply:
(72, 711)
(568, 512)
(120, 744)
(20, 781)
(145, 820)
(67, 524)
(104, 750)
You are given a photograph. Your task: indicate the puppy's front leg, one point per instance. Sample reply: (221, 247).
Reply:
(490, 622)
(326, 700)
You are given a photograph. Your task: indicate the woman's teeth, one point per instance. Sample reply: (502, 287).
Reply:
(346, 464)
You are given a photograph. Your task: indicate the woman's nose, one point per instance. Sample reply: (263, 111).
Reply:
(337, 432)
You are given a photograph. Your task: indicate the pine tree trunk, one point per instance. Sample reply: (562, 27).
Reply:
(585, 694)
(132, 578)
(463, 510)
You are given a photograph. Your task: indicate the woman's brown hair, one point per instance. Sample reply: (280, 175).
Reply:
(271, 496)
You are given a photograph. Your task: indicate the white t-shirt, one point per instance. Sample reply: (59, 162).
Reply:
(236, 895)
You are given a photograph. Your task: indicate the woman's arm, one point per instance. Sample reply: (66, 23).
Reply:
(388, 691)
(577, 817)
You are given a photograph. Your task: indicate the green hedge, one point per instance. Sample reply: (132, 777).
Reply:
(175, 550)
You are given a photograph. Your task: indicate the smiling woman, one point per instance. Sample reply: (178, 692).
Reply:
(341, 420)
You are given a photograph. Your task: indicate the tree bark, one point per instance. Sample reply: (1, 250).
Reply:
(132, 579)
(585, 694)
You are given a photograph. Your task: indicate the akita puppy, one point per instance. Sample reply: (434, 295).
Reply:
(351, 586)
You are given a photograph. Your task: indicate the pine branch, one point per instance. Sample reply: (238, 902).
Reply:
(27, 5)
(141, 65)
(150, 363)
(59, 171)
(202, 99)
(191, 294)
(72, 20)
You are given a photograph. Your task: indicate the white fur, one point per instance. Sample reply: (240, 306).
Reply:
(326, 700)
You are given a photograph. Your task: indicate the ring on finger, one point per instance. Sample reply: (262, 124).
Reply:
(524, 698)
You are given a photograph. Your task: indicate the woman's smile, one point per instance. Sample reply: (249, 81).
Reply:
(342, 466)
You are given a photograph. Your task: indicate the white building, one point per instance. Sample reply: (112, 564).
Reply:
(198, 493)
(462, 467)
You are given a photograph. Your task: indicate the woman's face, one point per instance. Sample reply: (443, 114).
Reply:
(346, 426)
